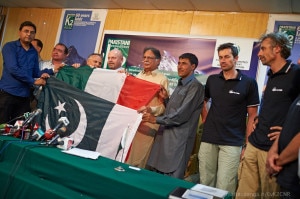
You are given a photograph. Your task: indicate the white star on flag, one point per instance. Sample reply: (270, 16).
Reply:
(60, 107)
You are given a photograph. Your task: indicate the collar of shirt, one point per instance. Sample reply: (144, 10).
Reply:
(283, 70)
(49, 62)
(238, 77)
(63, 63)
(153, 73)
(185, 80)
(18, 42)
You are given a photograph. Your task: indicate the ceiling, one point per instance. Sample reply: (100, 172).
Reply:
(257, 6)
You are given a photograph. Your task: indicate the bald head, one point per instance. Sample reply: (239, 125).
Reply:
(115, 59)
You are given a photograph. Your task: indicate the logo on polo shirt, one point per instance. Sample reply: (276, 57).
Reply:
(277, 89)
(298, 103)
(233, 92)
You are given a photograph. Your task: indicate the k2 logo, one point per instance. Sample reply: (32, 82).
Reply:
(70, 19)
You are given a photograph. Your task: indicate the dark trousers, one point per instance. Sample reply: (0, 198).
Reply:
(12, 107)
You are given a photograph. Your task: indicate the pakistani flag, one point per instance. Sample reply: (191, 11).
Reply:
(95, 124)
(111, 85)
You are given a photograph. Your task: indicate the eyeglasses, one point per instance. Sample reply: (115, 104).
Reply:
(148, 57)
(29, 32)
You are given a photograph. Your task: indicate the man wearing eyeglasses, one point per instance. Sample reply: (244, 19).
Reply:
(143, 140)
(20, 68)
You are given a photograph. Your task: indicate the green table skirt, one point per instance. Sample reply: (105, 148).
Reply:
(30, 170)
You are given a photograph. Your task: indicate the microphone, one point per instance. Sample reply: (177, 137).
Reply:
(63, 121)
(5, 129)
(65, 143)
(25, 115)
(31, 116)
(48, 134)
(15, 130)
(37, 134)
(2, 128)
(61, 132)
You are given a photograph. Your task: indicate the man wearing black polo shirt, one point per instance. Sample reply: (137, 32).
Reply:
(279, 93)
(283, 155)
(234, 96)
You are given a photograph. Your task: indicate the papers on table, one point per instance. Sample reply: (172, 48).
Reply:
(198, 191)
(83, 153)
(210, 190)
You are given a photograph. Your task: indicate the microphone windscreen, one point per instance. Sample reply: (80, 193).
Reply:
(2, 126)
(49, 134)
(62, 131)
(38, 111)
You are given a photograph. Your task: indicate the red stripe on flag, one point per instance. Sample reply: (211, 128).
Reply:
(136, 92)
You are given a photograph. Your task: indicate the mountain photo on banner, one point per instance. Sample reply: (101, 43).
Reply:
(111, 85)
(80, 30)
(95, 124)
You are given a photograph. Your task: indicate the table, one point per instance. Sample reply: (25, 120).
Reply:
(30, 170)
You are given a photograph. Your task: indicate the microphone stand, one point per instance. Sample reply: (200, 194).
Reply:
(31, 127)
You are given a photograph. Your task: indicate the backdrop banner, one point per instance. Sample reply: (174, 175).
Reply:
(172, 46)
(81, 31)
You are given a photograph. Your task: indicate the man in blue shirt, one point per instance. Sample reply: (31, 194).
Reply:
(20, 67)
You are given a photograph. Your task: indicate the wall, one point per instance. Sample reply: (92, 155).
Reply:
(46, 20)
(250, 25)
